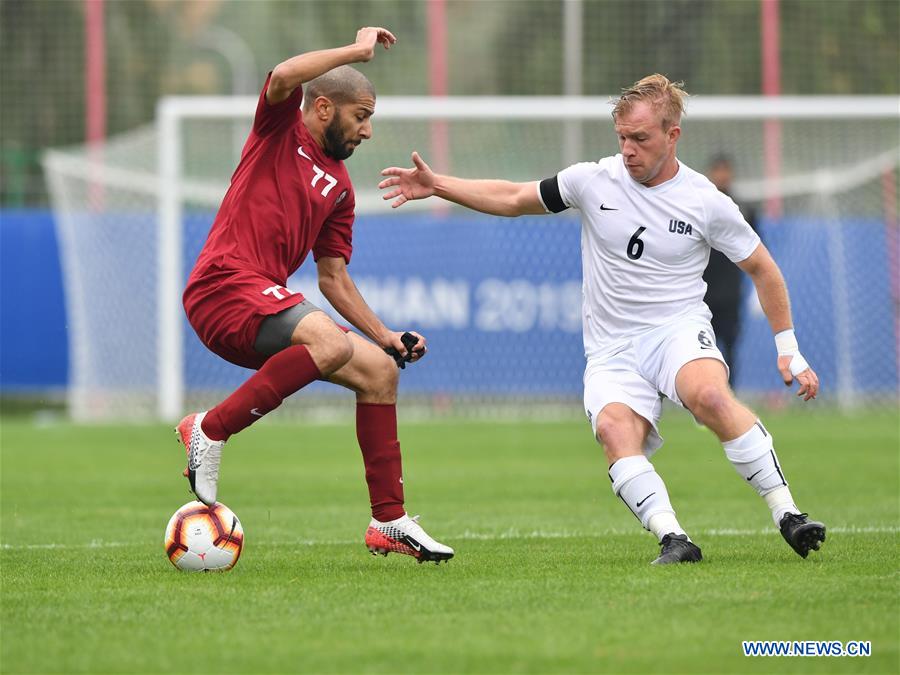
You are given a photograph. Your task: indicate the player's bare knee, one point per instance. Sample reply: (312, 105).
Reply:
(613, 429)
(620, 431)
(382, 378)
(606, 430)
(710, 402)
(388, 374)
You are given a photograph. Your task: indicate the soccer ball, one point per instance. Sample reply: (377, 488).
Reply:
(204, 538)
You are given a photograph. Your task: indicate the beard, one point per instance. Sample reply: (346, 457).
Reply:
(336, 144)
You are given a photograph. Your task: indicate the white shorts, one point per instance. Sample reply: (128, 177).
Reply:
(644, 371)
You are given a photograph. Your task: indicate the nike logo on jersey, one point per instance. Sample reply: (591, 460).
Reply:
(303, 154)
(256, 412)
(604, 207)
(638, 505)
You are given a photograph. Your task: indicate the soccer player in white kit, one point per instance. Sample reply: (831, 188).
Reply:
(648, 222)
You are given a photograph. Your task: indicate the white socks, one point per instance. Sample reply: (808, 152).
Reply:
(780, 502)
(753, 456)
(636, 482)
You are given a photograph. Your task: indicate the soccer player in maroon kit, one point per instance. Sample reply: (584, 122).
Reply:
(290, 195)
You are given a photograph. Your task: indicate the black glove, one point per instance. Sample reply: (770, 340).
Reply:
(409, 341)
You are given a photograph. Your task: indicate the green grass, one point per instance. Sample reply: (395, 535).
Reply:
(551, 571)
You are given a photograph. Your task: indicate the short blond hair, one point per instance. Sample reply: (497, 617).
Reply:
(666, 97)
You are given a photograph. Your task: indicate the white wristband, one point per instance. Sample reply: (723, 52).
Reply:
(786, 342)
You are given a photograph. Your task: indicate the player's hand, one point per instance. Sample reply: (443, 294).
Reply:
(408, 184)
(368, 37)
(807, 378)
(405, 347)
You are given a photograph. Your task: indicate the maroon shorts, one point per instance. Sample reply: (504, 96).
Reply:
(226, 307)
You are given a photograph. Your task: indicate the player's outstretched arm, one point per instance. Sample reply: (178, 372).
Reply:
(773, 296)
(290, 74)
(497, 197)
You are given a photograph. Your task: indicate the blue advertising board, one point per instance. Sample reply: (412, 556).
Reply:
(499, 301)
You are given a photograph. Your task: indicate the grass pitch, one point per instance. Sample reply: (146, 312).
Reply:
(551, 573)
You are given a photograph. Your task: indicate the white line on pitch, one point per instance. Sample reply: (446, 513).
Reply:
(477, 536)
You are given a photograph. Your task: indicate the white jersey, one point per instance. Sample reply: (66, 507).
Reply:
(644, 249)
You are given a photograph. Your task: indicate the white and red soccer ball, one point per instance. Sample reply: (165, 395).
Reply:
(202, 538)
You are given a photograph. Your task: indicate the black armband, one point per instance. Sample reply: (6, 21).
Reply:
(550, 195)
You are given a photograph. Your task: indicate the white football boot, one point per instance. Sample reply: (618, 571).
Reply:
(405, 535)
(204, 456)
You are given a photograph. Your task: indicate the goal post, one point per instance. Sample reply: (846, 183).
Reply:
(171, 179)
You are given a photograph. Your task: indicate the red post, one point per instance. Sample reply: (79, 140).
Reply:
(95, 92)
(771, 86)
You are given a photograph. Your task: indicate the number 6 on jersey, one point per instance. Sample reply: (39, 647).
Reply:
(635, 245)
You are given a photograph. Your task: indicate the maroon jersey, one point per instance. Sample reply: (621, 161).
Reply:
(286, 198)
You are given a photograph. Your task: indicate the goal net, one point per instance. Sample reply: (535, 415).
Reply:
(498, 299)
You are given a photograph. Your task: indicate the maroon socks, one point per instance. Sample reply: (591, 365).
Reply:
(376, 429)
(286, 372)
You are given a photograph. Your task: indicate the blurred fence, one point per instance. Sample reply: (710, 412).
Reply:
(839, 193)
(155, 48)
